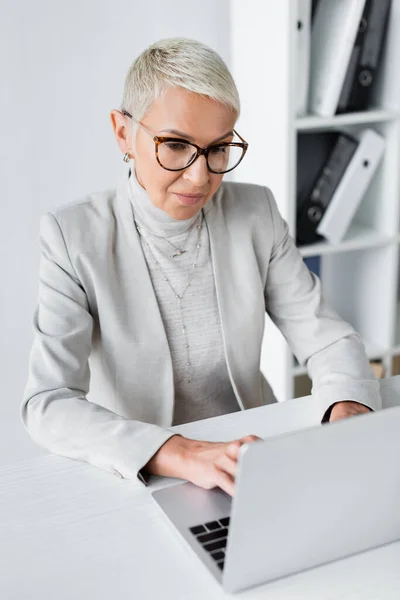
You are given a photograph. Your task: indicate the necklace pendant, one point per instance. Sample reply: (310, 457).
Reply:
(179, 253)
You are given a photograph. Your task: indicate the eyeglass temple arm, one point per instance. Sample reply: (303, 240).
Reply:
(125, 112)
(240, 137)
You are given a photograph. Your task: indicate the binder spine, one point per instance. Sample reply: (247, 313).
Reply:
(368, 49)
(352, 187)
(313, 209)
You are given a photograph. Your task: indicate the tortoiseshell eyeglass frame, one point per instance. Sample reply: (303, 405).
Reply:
(199, 151)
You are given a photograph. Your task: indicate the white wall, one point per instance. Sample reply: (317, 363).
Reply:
(63, 66)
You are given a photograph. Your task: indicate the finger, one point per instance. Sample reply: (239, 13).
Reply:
(224, 481)
(250, 438)
(232, 449)
(227, 464)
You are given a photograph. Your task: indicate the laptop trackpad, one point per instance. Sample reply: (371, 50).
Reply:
(188, 505)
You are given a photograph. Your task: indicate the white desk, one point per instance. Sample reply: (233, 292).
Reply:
(69, 531)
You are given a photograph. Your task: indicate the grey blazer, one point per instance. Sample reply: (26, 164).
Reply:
(97, 326)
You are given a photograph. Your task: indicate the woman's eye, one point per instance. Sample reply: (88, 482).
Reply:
(218, 149)
(177, 146)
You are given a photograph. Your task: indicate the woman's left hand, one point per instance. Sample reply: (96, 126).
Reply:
(347, 408)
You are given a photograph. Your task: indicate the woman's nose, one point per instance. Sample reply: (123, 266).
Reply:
(197, 173)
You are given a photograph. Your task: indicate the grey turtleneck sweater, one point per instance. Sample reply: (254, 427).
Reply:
(202, 388)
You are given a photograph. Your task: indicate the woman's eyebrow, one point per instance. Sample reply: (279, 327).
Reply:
(188, 137)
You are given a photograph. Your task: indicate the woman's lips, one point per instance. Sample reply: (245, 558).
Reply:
(190, 199)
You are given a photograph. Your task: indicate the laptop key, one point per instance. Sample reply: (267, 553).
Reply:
(215, 545)
(212, 525)
(218, 555)
(221, 564)
(214, 535)
(225, 521)
(198, 529)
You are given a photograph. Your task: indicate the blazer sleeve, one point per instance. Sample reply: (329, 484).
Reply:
(55, 410)
(331, 349)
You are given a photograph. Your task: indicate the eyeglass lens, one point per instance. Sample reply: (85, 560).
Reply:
(177, 155)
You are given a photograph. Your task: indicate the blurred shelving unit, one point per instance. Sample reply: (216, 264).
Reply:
(360, 275)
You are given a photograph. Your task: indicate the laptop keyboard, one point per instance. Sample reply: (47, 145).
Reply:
(213, 536)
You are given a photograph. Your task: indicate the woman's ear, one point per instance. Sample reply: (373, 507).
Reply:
(122, 132)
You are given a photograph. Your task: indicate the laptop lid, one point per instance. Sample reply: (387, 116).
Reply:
(312, 496)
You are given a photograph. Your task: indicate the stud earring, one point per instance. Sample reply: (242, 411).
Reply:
(127, 157)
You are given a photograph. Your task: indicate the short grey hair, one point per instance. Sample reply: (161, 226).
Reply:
(177, 62)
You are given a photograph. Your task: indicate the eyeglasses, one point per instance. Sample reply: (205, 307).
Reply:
(175, 154)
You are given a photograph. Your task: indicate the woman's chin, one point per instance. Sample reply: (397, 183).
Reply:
(181, 211)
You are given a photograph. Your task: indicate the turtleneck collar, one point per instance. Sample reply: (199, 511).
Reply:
(150, 216)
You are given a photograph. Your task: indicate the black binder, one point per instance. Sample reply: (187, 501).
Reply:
(364, 60)
(322, 159)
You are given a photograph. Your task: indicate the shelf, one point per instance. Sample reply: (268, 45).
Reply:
(373, 352)
(357, 238)
(314, 122)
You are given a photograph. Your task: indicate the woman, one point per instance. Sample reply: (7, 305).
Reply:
(155, 293)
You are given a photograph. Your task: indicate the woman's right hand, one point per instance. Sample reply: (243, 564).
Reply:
(206, 464)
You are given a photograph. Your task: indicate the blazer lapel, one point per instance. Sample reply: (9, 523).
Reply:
(149, 327)
(240, 297)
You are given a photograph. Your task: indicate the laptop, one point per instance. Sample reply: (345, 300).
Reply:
(301, 499)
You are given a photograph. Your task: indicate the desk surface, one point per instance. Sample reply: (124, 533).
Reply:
(69, 531)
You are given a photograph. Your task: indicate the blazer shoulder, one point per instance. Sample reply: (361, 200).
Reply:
(96, 205)
(84, 219)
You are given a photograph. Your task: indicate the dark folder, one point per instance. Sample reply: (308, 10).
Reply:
(322, 158)
(365, 57)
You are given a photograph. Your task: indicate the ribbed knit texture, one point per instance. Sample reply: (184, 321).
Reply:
(202, 389)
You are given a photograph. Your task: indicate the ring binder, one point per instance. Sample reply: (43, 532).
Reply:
(351, 189)
(322, 160)
(364, 61)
